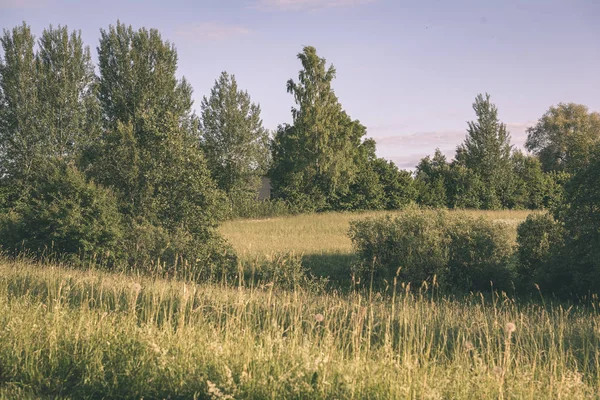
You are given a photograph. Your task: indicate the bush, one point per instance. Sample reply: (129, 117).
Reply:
(156, 250)
(64, 215)
(463, 252)
(539, 243)
(480, 253)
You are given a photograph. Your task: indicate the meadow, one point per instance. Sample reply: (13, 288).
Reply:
(73, 334)
(321, 240)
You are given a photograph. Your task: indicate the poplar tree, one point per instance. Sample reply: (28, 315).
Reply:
(69, 112)
(233, 138)
(149, 153)
(20, 139)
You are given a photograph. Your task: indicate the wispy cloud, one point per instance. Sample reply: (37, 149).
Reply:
(441, 139)
(21, 4)
(308, 5)
(408, 149)
(211, 31)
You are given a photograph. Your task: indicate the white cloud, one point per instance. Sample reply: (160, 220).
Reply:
(309, 5)
(211, 31)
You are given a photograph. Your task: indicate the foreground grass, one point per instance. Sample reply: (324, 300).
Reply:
(90, 334)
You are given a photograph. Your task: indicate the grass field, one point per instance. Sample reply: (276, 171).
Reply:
(91, 334)
(321, 239)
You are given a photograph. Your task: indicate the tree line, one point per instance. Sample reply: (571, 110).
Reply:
(110, 161)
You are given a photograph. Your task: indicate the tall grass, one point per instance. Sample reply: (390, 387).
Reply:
(75, 334)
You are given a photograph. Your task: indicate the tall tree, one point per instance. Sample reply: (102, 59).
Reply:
(67, 85)
(487, 149)
(431, 179)
(233, 138)
(564, 136)
(150, 153)
(314, 159)
(48, 106)
(20, 138)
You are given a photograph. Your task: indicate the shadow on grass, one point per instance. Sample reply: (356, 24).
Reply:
(334, 266)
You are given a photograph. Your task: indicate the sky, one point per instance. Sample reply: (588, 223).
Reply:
(407, 70)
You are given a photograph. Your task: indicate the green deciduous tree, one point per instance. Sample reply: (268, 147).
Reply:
(150, 153)
(487, 150)
(564, 136)
(398, 186)
(529, 183)
(69, 112)
(315, 158)
(233, 138)
(431, 174)
(20, 139)
(48, 106)
(581, 216)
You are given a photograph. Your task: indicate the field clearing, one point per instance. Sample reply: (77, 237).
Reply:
(317, 233)
(321, 239)
(72, 334)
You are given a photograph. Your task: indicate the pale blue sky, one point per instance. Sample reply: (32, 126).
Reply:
(408, 70)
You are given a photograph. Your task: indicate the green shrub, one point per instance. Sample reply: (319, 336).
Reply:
(539, 242)
(156, 250)
(64, 215)
(463, 252)
(480, 253)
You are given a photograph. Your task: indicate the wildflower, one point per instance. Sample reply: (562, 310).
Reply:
(511, 327)
(319, 317)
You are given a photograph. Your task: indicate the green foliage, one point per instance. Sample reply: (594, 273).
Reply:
(20, 140)
(529, 185)
(562, 255)
(64, 215)
(580, 214)
(318, 157)
(233, 138)
(431, 180)
(465, 188)
(564, 137)
(479, 254)
(150, 154)
(414, 242)
(555, 189)
(398, 186)
(486, 151)
(68, 111)
(540, 240)
(462, 253)
(156, 250)
(48, 106)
